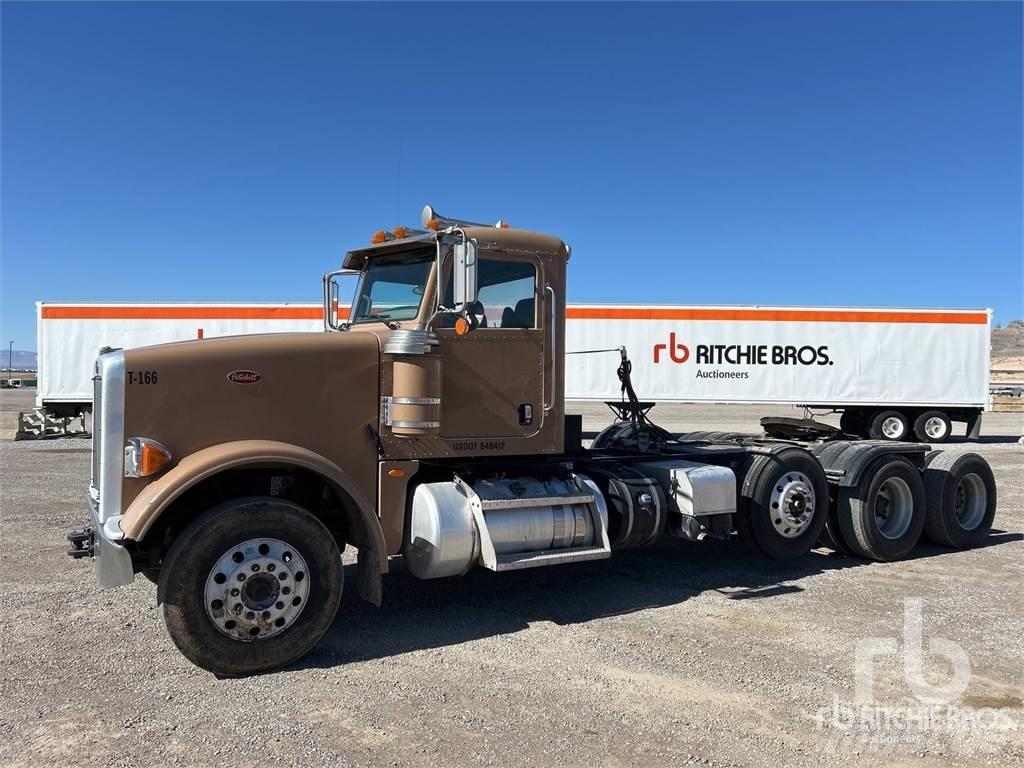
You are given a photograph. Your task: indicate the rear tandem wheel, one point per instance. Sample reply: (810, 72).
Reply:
(783, 504)
(961, 491)
(881, 518)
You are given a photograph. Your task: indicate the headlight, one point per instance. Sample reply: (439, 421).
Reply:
(143, 457)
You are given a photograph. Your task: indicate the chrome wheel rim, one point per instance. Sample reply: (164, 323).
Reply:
(257, 589)
(893, 428)
(792, 504)
(894, 507)
(970, 501)
(935, 428)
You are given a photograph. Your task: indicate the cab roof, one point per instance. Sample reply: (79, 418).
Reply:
(495, 239)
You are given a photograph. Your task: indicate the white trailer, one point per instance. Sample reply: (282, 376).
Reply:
(892, 373)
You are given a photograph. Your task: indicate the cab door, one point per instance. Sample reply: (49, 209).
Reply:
(493, 381)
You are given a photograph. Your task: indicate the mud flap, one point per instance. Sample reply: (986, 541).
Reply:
(369, 584)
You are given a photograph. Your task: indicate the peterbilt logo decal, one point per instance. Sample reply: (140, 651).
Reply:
(244, 377)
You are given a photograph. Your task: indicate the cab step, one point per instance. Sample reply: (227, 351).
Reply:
(502, 497)
(535, 501)
(515, 561)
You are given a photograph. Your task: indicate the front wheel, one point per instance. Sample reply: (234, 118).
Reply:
(851, 422)
(249, 586)
(888, 425)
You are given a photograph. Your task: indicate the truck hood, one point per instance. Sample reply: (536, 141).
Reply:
(315, 390)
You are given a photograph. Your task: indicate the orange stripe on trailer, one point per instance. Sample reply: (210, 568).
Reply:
(571, 312)
(775, 315)
(185, 313)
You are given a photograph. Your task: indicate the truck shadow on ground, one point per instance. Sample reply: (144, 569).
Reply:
(419, 615)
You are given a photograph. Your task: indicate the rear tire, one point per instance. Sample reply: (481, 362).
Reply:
(249, 586)
(961, 493)
(783, 504)
(889, 425)
(933, 427)
(883, 516)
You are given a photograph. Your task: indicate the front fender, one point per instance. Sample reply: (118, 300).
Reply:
(151, 502)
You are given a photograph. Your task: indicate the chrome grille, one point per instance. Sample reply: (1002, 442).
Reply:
(97, 421)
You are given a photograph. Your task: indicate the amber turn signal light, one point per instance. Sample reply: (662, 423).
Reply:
(143, 457)
(396, 473)
(378, 237)
(461, 326)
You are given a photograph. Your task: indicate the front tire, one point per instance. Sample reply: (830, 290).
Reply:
(250, 585)
(889, 425)
(851, 422)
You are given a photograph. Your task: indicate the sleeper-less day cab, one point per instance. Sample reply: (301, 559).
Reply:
(430, 425)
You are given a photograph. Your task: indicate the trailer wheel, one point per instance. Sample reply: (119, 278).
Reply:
(851, 422)
(961, 494)
(783, 504)
(882, 517)
(889, 425)
(249, 586)
(933, 427)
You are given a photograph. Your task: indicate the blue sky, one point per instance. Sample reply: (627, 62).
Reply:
(850, 154)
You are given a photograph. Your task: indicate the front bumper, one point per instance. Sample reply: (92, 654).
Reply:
(113, 561)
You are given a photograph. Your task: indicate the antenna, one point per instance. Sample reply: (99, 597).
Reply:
(398, 178)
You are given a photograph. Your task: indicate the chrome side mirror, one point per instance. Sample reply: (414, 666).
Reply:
(464, 277)
(332, 292)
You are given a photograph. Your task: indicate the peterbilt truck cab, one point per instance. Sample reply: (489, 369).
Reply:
(429, 424)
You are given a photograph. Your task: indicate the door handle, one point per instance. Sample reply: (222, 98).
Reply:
(548, 405)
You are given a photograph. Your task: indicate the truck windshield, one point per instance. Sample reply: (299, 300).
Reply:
(393, 286)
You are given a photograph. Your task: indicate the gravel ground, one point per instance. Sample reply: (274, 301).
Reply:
(678, 654)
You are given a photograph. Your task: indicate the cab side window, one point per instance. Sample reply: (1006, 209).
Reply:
(506, 293)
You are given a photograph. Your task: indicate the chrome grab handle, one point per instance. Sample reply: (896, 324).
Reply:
(554, 349)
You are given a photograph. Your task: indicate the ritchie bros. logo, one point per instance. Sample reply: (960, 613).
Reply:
(743, 354)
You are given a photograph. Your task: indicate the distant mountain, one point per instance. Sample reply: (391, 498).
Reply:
(20, 361)
(1008, 341)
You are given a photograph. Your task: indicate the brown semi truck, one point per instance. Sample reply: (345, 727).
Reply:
(430, 425)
